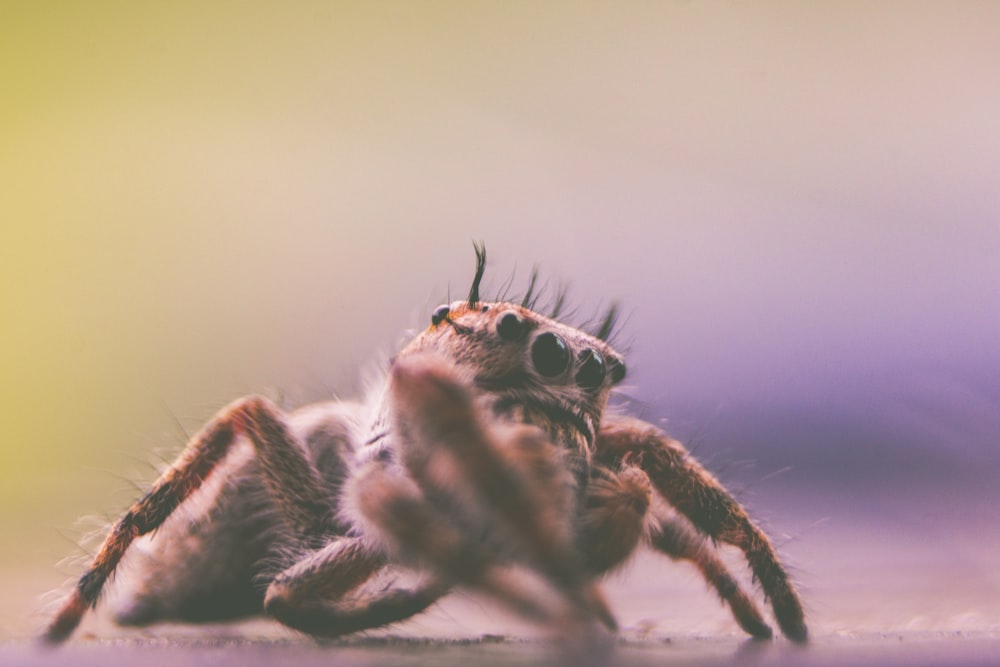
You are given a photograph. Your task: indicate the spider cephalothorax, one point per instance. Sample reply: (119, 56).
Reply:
(531, 368)
(487, 452)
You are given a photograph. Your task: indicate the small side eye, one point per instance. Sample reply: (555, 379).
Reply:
(510, 326)
(439, 315)
(592, 369)
(617, 368)
(550, 354)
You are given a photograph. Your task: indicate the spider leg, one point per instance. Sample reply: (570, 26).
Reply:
(312, 595)
(288, 474)
(212, 558)
(332, 619)
(419, 531)
(679, 478)
(204, 562)
(512, 477)
(613, 516)
(614, 521)
(676, 539)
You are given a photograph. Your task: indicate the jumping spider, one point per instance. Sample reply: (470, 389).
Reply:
(488, 449)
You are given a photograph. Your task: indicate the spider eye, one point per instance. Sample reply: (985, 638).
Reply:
(439, 315)
(510, 326)
(617, 368)
(550, 354)
(592, 369)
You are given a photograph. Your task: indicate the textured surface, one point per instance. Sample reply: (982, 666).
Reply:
(915, 649)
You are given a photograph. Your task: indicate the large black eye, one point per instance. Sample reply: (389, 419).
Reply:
(550, 354)
(592, 370)
(439, 315)
(617, 367)
(510, 326)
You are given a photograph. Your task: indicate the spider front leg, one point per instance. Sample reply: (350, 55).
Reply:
(485, 478)
(693, 491)
(417, 531)
(292, 480)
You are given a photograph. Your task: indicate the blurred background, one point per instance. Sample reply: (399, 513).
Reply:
(796, 203)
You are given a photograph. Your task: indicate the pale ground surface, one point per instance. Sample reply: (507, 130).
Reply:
(875, 594)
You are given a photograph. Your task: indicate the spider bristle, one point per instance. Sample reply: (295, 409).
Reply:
(480, 249)
(538, 296)
(560, 302)
(502, 294)
(608, 323)
(529, 296)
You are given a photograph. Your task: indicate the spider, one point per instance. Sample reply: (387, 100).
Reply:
(487, 453)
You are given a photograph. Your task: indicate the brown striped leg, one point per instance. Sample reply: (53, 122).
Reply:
(681, 542)
(289, 475)
(702, 499)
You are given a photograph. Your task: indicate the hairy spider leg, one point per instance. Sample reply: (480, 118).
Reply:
(312, 595)
(510, 474)
(693, 491)
(613, 516)
(677, 539)
(293, 481)
(614, 522)
(422, 533)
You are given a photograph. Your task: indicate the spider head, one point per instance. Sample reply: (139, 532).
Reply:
(526, 366)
